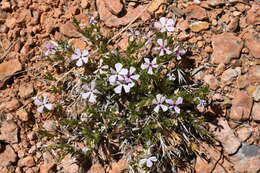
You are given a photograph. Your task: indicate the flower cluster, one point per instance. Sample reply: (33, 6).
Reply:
(166, 104)
(122, 78)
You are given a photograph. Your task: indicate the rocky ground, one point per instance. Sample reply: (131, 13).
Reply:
(224, 41)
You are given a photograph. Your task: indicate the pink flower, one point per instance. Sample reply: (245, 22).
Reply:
(159, 103)
(162, 48)
(42, 104)
(165, 24)
(150, 65)
(174, 105)
(80, 57)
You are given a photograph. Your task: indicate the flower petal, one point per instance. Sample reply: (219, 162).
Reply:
(49, 106)
(177, 109)
(164, 108)
(92, 98)
(158, 25)
(170, 22)
(163, 20)
(161, 52)
(85, 95)
(79, 62)
(37, 102)
(126, 88)
(118, 89)
(160, 42)
(149, 163)
(124, 71)
(85, 53)
(118, 67)
(156, 109)
(77, 51)
(142, 161)
(169, 101)
(135, 77)
(45, 99)
(40, 109)
(132, 70)
(170, 28)
(85, 59)
(74, 57)
(179, 100)
(150, 70)
(153, 158)
(144, 66)
(112, 79)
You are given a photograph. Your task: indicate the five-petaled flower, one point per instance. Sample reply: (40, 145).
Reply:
(42, 104)
(165, 24)
(202, 103)
(174, 105)
(148, 161)
(149, 65)
(159, 102)
(117, 74)
(80, 57)
(51, 48)
(162, 48)
(179, 52)
(101, 68)
(91, 92)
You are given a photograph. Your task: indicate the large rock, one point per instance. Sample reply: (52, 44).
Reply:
(8, 156)
(241, 106)
(226, 136)
(253, 43)
(9, 132)
(114, 6)
(254, 74)
(225, 47)
(69, 30)
(196, 12)
(7, 69)
(253, 15)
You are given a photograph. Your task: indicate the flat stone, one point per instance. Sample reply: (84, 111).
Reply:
(69, 30)
(26, 90)
(247, 159)
(9, 132)
(244, 132)
(254, 74)
(253, 15)
(196, 12)
(155, 5)
(199, 26)
(28, 161)
(230, 74)
(211, 81)
(10, 22)
(78, 43)
(226, 46)
(215, 2)
(8, 156)
(7, 69)
(114, 6)
(182, 25)
(22, 115)
(226, 136)
(241, 106)
(256, 112)
(50, 125)
(253, 43)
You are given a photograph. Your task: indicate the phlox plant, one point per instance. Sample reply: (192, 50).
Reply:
(136, 107)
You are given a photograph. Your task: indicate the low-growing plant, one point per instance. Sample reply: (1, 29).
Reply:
(136, 104)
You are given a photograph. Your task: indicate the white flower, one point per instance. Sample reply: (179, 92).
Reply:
(101, 68)
(165, 24)
(162, 48)
(90, 92)
(131, 76)
(122, 84)
(179, 52)
(159, 103)
(174, 105)
(149, 65)
(42, 104)
(118, 73)
(80, 57)
(202, 103)
(171, 77)
(148, 161)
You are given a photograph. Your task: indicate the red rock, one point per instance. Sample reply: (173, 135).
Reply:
(10, 22)
(9, 132)
(69, 165)
(113, 21)
(226, 136)
(244, 132)
(84, 3)
(78, 43)
(5, 5)
(8, 156)
(215, 2)
(83, 19)
(211, 81)
(69, 30)
(123, 44)
(28, 161)
(182, 25)
(253, 15)
(256, 112)
(22, 115)
(26, 90)
(96, 168)
(196, 12)
(47, 22)
(241, 106)
(254, 74)
(225, 47)
(114, 6)
(10, 106)
(232, 26)
(253, 43)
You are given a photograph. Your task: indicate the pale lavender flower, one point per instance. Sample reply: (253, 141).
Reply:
(117, 74)
(131, 76)
(91, 92)
(159, 103)
(92, 20)
(175, 105)
(179, 52)
(171, 77)
(162, 48)
(150, 65)
(51, 48)
(42, 104)
(148, 161)
(80, 57)
(123, 85)
(202, 103)
(101, 68)
(165, 24)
